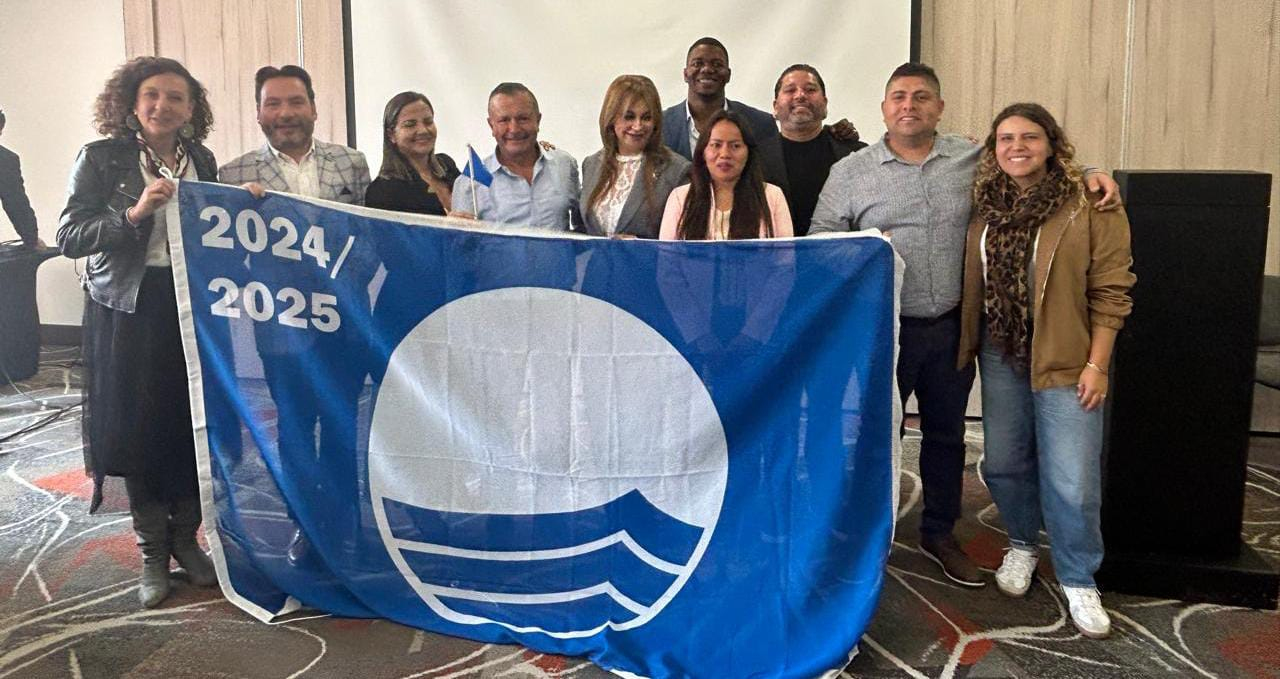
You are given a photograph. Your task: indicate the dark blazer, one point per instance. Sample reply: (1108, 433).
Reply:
(675, 129)
(105, 182)
(638, 218)
(13, 195)
(412, 194)
(774, 166)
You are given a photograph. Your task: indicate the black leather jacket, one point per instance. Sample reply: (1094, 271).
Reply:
(105, 182)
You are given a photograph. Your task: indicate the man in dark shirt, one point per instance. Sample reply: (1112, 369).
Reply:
(13, 195)
(798, 161)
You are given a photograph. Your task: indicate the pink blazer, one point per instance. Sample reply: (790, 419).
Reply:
(782, 227)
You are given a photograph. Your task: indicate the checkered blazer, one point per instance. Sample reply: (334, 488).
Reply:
(343, 172)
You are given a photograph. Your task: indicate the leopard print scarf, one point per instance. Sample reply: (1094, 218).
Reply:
(1013, 217)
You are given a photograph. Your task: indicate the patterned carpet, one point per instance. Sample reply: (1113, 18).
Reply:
(68, 600)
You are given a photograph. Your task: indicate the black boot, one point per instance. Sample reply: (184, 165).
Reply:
(183, 524)
(151, 525)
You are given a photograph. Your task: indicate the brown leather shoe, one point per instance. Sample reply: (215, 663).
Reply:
(956, 565)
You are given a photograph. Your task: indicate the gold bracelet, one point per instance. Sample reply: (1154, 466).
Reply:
(1093, 365)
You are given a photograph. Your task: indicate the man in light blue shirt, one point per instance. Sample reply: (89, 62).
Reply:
(531, 186)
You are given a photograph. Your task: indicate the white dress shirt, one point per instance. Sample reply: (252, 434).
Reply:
(303, 177)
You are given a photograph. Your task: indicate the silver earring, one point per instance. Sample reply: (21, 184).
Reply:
(187, 131)
(131, 121)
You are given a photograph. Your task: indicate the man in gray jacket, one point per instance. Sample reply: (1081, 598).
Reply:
(13, 196)
(914, 185)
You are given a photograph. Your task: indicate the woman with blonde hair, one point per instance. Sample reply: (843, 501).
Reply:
(1046, 283)
(626, 183)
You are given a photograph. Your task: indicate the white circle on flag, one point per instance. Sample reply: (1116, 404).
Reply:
(537, 402)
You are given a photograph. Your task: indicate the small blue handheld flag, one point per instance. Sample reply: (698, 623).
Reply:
(475, 168)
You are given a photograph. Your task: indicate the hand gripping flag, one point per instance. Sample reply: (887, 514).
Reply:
(676, 459)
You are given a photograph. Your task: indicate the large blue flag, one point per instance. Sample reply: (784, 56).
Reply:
(676, 459)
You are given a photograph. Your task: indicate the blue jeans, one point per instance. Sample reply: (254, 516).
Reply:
(1042, 459)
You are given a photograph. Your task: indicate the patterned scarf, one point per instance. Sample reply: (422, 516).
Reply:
(150, 161)
(1013, 217)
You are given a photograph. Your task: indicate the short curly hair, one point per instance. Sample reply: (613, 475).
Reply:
(118, 96)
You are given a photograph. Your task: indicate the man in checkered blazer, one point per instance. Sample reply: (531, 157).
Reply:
(292, 160)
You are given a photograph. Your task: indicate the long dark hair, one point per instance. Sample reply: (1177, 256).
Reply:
(394, 164)
(749, 204)
(624, 90)
(115, 103)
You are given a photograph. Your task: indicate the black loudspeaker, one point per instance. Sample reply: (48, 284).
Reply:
(1177, 427)
(19, 318)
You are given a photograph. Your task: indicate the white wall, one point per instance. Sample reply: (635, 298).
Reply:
(569, 52)
(54, 57)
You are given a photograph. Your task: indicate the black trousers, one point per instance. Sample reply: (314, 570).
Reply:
(927, 367)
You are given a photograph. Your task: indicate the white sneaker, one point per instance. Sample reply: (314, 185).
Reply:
(1087, 612)
(1015, 573)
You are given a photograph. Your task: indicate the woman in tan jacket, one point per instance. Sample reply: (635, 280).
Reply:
(1046, 286)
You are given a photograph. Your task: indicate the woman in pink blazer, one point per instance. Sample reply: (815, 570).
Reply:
(728, 198)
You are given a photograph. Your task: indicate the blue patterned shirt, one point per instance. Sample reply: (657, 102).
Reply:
(923, 208)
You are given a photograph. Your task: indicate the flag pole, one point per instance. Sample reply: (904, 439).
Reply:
(471, 175)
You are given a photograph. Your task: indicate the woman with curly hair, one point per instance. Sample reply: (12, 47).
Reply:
(626, 183)
(728, 198)
(137, 417)
(1046, 282)
(413, 177)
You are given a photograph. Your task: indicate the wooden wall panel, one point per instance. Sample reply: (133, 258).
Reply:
(1203, 89)
(323, 55)
(139, 28)
(1206, 91)
(224, 42)
(253, 34)
(1067, 56)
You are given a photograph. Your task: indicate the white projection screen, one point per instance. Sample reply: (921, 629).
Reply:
(568, 51)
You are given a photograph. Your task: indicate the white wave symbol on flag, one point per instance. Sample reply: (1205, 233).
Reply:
(545, 461)
(612, 562)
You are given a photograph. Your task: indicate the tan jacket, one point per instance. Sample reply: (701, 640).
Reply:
(1083, 279)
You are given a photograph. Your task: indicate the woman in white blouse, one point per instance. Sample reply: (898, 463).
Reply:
(626, 183)
(728, 199)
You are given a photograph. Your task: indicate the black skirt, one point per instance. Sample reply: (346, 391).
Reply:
(137, 413)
